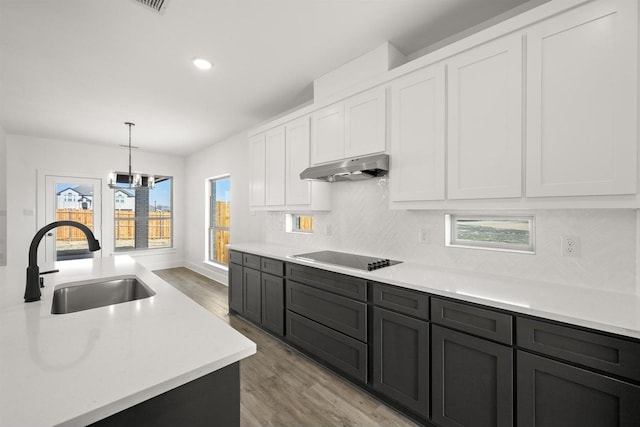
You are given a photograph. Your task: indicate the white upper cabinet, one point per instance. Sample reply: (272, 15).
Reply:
(275, 167)
(257, 170)
(365, 123)
(328, 134)
(351, 128)
(277, 158)
(582, 92)
(298, 191)
(417, 136)
(484, 121)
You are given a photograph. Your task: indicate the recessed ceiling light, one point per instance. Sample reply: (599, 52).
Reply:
(201, 63)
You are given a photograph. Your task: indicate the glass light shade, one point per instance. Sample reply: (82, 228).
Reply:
(137, 180)
(111, 179)
(151, 182)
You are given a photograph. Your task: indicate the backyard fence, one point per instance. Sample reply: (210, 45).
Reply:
(159, 224)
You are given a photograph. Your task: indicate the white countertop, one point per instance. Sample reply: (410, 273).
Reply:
(74, 369)
(605, 311)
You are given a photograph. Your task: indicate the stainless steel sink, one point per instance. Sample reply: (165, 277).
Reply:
(99, 293)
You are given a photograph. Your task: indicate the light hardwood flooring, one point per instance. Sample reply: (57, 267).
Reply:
(279, 386)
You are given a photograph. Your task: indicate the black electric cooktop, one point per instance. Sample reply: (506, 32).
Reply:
(343, 259)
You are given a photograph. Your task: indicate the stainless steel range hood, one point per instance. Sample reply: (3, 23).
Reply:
(349, 170)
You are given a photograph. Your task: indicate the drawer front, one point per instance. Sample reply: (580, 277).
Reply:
(272, 266)
(614, 355)
(340, 284)
(342, 314)
(340, 351)
(473, 320)
(401, 300)
(251, 261)
(235, 257)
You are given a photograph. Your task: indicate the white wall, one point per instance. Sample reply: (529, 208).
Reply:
(28, 155)
(361, 222)
(3, 198)
(228, 157)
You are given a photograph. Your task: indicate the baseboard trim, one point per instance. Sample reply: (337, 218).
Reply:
(218, 276)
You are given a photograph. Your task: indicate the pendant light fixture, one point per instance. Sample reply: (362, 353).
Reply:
(134, 180)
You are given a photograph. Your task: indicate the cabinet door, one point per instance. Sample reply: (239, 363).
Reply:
(472, 380)
(327, 133)
(252, 304)
(484, 121)
(401, 359)
(275, 167)
(365, 123)
(235, 288)
(257, 165)
(417, 136)
(582, 77)
(298, 191)
(553, 394)
(273, 303)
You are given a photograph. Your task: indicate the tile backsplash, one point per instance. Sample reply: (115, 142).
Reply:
(361, 222)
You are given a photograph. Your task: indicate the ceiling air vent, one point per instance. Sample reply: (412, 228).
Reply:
(157, 5)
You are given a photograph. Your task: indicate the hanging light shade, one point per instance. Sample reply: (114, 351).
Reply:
(130, 180)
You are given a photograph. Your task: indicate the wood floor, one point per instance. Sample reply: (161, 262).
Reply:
(279, 386)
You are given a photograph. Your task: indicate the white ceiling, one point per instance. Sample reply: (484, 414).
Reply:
(75, 70)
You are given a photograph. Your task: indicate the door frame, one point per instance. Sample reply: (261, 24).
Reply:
(46, 251)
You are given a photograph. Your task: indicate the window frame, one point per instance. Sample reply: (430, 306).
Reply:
(451, 232)
(211, 225)
(136, 220)
(291, 218)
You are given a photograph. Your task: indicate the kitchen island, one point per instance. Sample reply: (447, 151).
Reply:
(78, 368)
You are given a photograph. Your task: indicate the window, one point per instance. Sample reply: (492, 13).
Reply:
(143, 217)
(297, 223)
(219, 219)
(500, 233)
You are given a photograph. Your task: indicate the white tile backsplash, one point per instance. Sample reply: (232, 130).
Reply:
(361, 222)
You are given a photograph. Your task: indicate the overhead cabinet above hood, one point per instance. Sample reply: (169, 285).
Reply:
(349, 170)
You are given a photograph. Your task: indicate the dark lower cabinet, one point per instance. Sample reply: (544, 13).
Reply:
(252, 308)
(472, 380)
(554, 394)
(273, 303)
(209, 401)
(235, 288)
(401, 359)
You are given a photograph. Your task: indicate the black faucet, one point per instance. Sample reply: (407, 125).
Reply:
(32, 291)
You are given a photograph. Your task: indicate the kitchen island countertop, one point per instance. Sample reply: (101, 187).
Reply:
(612, 312)
(77, 368)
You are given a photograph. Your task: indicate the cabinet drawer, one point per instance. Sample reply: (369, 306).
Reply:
(338, 350)
(614, 355)
(235, 257)
(342, 314)
(251, 261)
(401, 300)
(272, 266)
(473, 320)
(341, 284)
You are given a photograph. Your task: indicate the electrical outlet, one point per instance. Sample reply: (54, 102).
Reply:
(423, 236)
(570, 246)
(328, 230)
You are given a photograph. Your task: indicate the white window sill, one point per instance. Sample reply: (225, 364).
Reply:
(145, 252)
